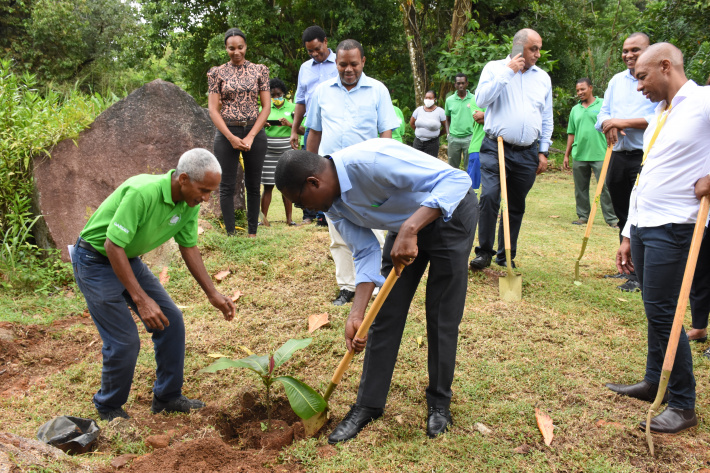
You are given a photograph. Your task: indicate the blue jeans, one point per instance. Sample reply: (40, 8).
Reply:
(659, 255)
(108, 303)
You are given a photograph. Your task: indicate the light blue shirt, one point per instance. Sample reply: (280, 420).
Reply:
(622, 100)
(311, 74)
(518, 106)
(346, 117)
(382, 183)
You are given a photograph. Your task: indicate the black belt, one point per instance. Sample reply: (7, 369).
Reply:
(512, 146)
(239, 122)
(81, 243)
(630, 151)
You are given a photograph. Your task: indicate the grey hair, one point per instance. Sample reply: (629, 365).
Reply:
(196, 163)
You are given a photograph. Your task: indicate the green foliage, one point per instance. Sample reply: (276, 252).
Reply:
(30, 124)
(304, 400)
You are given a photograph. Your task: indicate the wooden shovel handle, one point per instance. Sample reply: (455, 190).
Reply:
(687, 283)
(598, 193)
(504, 193)
(366, 323)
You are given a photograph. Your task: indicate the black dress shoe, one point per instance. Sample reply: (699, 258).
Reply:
(354, 422)
(438, 421)
(672, 421)
(344, 297)
(644, 391)
(480, 262)
(504, 264)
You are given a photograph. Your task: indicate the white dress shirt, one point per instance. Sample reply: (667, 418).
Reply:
(680, 156)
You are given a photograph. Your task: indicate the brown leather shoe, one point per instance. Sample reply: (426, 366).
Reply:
(672, 421)
(644, 391)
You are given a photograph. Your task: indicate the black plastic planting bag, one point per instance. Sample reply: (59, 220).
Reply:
(70, 434)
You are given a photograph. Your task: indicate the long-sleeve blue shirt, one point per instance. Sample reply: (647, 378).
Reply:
(518, 105)
(622, 100)
(382, 183)
(311, 74)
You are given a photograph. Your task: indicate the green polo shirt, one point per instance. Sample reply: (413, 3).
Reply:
(140, 215)
(398, 133)
(286, 111)
(478, 133)
(459, 111)
(589, 144)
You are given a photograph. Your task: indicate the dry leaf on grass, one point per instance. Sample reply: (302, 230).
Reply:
(544, 423)
(523, 449)
(420, 340)
(554, 216)
(316, 321)
(164, 276)
(621, 300)
(222, 274)
(237, 295)
(200, 230)
(246, 350)
(217, 355)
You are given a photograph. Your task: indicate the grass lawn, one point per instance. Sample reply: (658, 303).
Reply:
(554, 351)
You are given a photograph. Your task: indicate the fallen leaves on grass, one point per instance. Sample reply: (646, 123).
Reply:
(246, 350)
(606, 423)
(482, 428)
(164, 276)
(544, 423)
(554, 216)
(216, 355)
(237, 295)
(317, 321)
(523, 449)
(219, 277)
(420, 340)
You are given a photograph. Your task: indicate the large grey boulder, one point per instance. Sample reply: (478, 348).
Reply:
(146, 132)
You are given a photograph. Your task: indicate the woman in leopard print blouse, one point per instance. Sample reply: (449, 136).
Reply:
(233, 91)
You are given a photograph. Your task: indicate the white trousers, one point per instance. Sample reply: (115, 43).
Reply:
(343, 257)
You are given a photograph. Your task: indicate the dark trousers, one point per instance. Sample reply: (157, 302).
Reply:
(430, 147)
(108, 303)
(659, 255)
(307, 213)
(624, 166)
(700, 291)
(228, 158)
(520, 169)
(444, 247)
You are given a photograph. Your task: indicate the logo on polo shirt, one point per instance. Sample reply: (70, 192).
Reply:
(120, 226)
(175, 219)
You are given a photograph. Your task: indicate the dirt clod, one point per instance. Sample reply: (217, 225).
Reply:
(122, 461)
(157, 441)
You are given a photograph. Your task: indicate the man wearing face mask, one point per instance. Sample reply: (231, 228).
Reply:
(313, 72)
(344, 111)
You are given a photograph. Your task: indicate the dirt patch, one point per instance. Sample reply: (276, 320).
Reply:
(208, 455)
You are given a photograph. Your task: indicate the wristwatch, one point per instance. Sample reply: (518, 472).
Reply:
(545, 153)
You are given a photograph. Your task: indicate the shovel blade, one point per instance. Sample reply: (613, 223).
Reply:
(511, 287)
(313, 425)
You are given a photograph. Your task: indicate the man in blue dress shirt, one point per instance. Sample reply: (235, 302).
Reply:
(430, 211)
(517, 96)
(623, 118)
(319, 68)
(346, 110)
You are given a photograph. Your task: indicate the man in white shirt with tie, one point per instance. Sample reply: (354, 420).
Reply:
(662, 212)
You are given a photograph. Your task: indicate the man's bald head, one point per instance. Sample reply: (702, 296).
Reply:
(531, 42)
(522, 36)
(659, 70)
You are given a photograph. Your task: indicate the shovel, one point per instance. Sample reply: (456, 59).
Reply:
(510, 286)
(317, 421)
(679, 314)
(592, 213)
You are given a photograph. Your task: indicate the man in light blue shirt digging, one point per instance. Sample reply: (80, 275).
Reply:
(431, 212)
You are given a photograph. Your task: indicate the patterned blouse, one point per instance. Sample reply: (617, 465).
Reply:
(238, 87)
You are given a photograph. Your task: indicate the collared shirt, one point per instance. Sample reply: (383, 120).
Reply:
(398, 133)
(518, 105)
(589, 144)
(277, 113)
(140, 215)
(382, 183)
(346, 117)
(622, 100)
(311, 74)
(679, 157)
(460, 112)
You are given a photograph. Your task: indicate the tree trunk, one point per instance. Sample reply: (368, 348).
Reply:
(416, 52)
(459, 21)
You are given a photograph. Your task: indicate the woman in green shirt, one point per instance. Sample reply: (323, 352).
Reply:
(278, 133)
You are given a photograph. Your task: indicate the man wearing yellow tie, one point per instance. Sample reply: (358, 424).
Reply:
(662, 213)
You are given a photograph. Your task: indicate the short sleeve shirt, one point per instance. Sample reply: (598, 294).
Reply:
(140, 216)
(589, 144)
(286, 111)
(427, 125)
(478, 131)
(398, 133)
(238, 88)
(459, 110)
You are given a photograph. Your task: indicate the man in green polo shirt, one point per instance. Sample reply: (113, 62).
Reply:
(587, 147)
(142, 214)
(459, 114)
(474, 160)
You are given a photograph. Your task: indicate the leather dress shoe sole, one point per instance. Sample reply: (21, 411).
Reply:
(672, 421)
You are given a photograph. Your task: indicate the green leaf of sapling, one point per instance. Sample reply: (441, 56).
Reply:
(287, 350)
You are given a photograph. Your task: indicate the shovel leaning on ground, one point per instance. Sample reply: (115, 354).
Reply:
(314, 423)
(592, 213)
(679, 314)
(511, 286)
